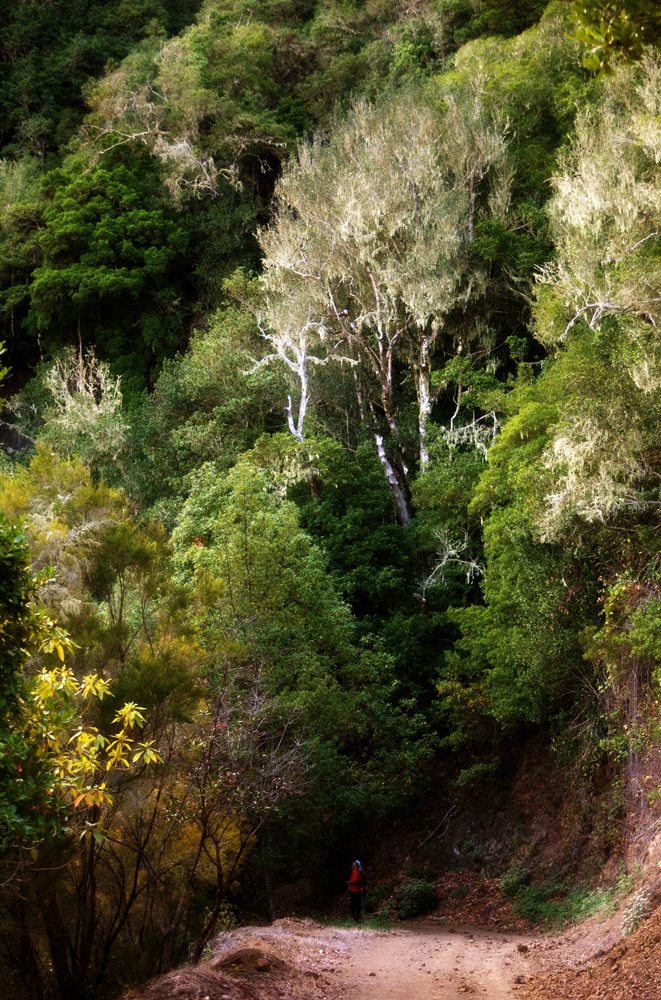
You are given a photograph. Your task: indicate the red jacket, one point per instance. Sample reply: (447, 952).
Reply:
(357, 880)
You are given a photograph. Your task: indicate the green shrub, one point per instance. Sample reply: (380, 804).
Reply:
(414, 896)
(377, 895)
(554, 904)
(514, 880)
(471, 776)
(540, 903)
(382, 918)
(419, 872)
(627, 878)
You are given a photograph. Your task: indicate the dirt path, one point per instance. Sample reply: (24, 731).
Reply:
(301, 960)
(428, 963)
(295, 959)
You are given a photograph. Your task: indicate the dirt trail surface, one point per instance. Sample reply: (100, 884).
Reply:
(301, 960)
(423, 963)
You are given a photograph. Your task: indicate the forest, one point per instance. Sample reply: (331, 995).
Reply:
(331, 439)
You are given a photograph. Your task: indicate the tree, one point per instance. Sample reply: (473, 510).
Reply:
(377, 245)
(27, 810)
(105, 245)
(518, 660)
(20, 252)
(300, 343)
(276, 599)
(211, 106)
(346, 507)
(85, 417)
(206, 406)
(605, 208)
(64, 514)
(58, 771)
(87, 886)
(276, 614)
(602, 296)
(50, 52)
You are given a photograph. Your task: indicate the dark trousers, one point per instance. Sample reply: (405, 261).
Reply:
(355, 901)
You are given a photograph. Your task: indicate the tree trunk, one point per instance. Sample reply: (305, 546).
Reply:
(423, 377)
(401, 506)
(268, 884)
(167, 950)
(26, 957)
(58, 946)
(210, 925)
(471, 207)
(296, 428)
(89, 910)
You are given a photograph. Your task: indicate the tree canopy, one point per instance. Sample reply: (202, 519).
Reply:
(330, 464)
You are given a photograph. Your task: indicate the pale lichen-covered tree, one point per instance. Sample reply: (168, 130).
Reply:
(203, 102)
(602, 462)
(605, 288)
(606, 208)
(65, 515)
(373, 233)
(603, 452)
(86, 417)
(163, 114)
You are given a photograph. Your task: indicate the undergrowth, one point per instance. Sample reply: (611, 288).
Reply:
(373, 922)
(413, 897)
(555, 904)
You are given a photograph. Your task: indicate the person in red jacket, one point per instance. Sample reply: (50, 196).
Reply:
(356, 887)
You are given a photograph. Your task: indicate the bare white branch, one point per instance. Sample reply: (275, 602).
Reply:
(479, 434)
(450, 552)
(293, 346)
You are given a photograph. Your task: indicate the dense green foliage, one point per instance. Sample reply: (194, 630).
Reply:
(413, 897)
(335, 329)
(216, 110)
(50, 50)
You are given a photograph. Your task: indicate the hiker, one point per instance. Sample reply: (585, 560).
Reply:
(356, 887)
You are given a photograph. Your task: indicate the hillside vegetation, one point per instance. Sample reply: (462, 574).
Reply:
(333, 430)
